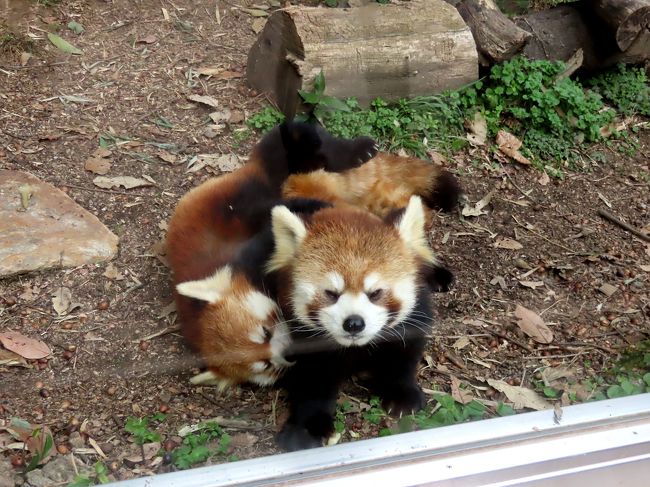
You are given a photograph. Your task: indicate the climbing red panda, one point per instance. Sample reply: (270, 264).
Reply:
(381, 185)
(216, 247)
(355, 289)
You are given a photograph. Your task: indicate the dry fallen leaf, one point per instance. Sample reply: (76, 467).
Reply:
(508, 243)
(645, 268)
(61, 300)
(166, 156)
(462, 396)
(11, 359)
(532, 284)
(112, 273)
(607, 289)
(461, 343)
(128, 182)
(221, 116)
(521, 397)
(24, 346)
(477, 210)
(147, 452)
(243, 440)
(225, 75)
(102, 152)
(24, 58)
(551, 374)
(258, 25)
(150, 39)
(97, 165)
(533, 325)
(509, 145)
(478, 128)
(222, 162)
(205, 100)
(544, 179)
(167, 310)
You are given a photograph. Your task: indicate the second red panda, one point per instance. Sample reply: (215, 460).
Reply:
(382, 184)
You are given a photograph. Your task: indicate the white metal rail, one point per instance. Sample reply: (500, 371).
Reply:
(600, 443)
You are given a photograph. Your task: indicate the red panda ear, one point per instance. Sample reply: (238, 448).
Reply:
(210, 289)
(411, 229)
(288, 233)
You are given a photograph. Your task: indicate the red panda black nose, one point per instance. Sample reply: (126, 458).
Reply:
(354, 324)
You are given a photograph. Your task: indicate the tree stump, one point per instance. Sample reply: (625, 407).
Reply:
(627, 18)
(497, 37)
(390, 51)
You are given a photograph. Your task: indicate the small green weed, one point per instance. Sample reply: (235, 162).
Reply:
(339, 418)
(200, 445)
(375, 414)
(99, 476)
(139, 428)
(265, 119)
(318, 103)
(626, 88)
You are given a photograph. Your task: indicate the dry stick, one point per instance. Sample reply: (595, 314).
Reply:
(83, 188)
(625, 226)
(511, 340)
(164, 331)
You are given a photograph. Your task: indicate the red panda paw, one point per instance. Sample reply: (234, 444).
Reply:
(294, 437)
(405, 399)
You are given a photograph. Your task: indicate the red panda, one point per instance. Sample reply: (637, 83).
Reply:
(382, 184)
(216, 251)
(353, 285)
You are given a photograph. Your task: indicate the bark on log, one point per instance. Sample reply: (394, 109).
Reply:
(497, 37)
(397, 50)
(557, 33)
(626, 18)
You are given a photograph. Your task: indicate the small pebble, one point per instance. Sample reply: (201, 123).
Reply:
(103, 305)
(62, 449)
(111, 390)
(144, 346)
(44, 393)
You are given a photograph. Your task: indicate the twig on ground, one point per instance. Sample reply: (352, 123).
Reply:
(99, 190)
(159, 333)
(625, 226)
(543, 237)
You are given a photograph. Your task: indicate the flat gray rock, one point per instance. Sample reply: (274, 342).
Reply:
(53, 231)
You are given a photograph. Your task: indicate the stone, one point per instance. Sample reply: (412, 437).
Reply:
(6, 473)
(51, 232)
(58, 471)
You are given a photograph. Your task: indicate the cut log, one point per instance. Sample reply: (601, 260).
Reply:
(558, 33)
(626, 18)
(497, 37)
(389, 51)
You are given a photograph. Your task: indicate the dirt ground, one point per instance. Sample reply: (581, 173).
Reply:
(136, 73)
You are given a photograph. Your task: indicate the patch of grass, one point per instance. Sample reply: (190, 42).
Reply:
(13, 43)
(197, 447)
(139, 428)
(339, 417)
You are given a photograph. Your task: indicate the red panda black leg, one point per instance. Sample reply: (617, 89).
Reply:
(343, 154)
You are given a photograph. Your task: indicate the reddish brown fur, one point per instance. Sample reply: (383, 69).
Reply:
(380, 185)
(200, 241)
(370, 246)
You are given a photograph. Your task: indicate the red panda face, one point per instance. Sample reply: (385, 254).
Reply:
(352, 275)
(243, 335)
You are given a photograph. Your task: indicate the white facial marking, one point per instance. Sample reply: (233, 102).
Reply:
(303, 293)
(258, 367)
(259, 305)
(257, 335)
(372, 282)
(336, 281)
(348, 304)
(406, 291)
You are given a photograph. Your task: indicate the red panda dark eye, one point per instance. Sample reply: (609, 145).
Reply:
(268, 334)
(332, 295)
(375, 295)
